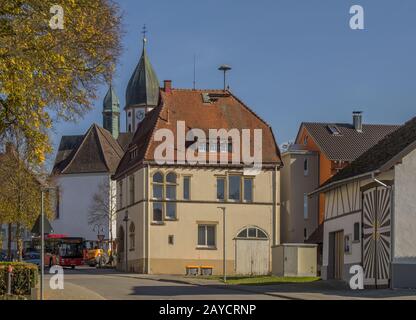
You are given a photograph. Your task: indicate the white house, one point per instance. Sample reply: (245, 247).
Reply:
(370, 214)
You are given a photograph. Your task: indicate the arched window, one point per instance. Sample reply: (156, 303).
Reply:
(121, 239)
(171, 195)
(164, 188)
(158, 195)
(132, 236)
(252, 233)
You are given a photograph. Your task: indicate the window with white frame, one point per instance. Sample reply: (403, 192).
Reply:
(248, 189)
(164, 194)
(234, 188)
(206, 236)
(186, 188)
(221, 188)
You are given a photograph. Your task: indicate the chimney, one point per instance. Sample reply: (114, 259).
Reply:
(357, 120)
(168, 86)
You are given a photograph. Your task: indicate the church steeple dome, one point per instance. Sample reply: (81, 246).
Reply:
(111, 112)
(142, 93)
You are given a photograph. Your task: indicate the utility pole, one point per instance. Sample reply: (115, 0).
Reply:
(224, 263)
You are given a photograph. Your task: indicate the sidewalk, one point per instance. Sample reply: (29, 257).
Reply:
(319, 290)
(71, 292)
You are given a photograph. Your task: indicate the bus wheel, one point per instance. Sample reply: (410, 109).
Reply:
(72, 267)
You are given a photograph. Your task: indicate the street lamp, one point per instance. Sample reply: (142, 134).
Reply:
(224, 263)
(126, 220)
(42, 239)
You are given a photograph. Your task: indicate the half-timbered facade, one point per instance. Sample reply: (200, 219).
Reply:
(370, 214)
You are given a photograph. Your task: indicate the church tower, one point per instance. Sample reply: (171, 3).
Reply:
(142, 93)
(111, 113)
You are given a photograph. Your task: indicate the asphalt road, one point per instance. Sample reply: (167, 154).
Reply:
(93, 284)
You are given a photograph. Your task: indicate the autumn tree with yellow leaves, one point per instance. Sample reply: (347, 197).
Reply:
(20, 192)
(46, 73)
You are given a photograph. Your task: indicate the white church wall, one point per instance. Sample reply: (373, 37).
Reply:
(76, 194)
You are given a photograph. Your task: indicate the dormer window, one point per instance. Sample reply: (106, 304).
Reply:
(134, 153)
(334, 130)
(202, 147)
(223, 147)
(213, 146)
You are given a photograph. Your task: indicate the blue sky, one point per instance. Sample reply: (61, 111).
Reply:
(293, 60)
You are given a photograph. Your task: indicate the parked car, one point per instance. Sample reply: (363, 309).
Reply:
(32, 257)
(3, 256)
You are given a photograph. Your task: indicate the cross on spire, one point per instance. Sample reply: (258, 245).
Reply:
(144, 31)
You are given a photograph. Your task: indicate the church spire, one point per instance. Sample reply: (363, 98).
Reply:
(111, 112)
(142, 93)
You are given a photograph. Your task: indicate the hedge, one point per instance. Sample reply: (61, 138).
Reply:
(25, 277)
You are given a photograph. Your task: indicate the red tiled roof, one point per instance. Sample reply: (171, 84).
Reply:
(224, 111)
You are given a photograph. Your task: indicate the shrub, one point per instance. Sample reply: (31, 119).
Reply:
(24, 278)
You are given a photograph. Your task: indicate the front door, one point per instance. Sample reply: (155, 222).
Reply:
(376, 230)
(338, 264)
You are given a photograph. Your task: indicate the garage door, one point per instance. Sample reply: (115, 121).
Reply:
(252, 252)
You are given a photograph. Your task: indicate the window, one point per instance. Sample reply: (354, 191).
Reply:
(305, 167)
(305, 140)
(305, 206)
(120, 194)
(221, 189)
(131, 189)
(206, 235)
(132, 237)
(248, 189)
(357, 231)
(223, 147)
(158, 186)
(213, 146)
(234, 188)
(157, 212)
(171, 186)
(186, 188)
(305, 234)
(164, 190)
(334, 130)
(171, 195)
(134, 153)
(202, 147)
(252, 232)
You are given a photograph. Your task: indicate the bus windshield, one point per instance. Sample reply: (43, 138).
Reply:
(71, 248)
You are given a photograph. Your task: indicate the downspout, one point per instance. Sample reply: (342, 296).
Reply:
(146, 225)
(274, 206)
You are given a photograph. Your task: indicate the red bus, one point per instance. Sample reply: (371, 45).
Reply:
(62, 250)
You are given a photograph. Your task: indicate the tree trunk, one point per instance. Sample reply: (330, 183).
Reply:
(9, 241)
(19, 245)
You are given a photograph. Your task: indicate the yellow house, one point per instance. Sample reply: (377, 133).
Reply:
(171, 215)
